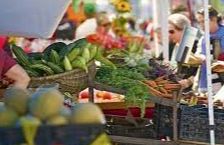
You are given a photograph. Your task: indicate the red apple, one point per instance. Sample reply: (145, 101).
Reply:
(84, 95)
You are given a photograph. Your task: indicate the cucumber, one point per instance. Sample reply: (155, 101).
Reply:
(35, 55)
(93, 51)
(32, 72)
(21, 56)
(42, 67)
(86, 53)
(67, 64)
(58, 47)
(80, 43)
(56, 68)
(80, 62)
(54, 57)
(73, 54)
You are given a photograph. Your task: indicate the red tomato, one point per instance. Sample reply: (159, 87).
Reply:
(84, 94)
(99, 94)
(107, 96)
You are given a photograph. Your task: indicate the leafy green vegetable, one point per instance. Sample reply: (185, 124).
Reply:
(128, 80)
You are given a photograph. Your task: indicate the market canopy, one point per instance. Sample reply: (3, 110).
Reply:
(31, 18)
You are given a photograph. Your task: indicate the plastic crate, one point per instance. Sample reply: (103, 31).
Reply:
(194, 124)
(50, 135)
(122, 127)
(163, 120)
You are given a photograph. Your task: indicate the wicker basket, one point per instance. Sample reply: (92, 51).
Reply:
(73, 81)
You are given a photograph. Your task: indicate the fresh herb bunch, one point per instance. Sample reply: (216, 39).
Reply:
(158, 68)
(128, 73)
(128, 80)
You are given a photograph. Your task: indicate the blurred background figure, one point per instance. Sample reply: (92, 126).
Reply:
(181, 9)
(217, 40)
(66, 29)
(89, 25)
(104, 25)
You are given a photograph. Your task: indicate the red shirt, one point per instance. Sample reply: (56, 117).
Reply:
(2, 41)
(6, 62)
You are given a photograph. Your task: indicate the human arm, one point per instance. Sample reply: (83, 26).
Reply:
(11, 72)
(18, 76)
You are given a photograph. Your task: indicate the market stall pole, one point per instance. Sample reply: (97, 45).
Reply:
(91, 84)
(209, 82)
(160, 21)
(164, 28)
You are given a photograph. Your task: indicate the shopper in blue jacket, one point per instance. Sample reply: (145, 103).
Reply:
(216, 34)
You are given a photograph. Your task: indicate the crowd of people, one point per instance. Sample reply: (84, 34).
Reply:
(216, 34)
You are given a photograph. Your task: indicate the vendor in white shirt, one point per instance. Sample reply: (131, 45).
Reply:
(95, 23)
(89, 26)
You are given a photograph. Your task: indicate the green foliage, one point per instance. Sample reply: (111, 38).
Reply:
(128, 80)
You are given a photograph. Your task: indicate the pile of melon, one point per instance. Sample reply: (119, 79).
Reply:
(45, 106)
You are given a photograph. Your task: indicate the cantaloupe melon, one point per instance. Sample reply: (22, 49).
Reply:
(46, 102)
(8, 117)
(16, 99)
(87, 113)
(57, 120)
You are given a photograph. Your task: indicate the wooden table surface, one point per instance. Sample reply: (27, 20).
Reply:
(119, 105)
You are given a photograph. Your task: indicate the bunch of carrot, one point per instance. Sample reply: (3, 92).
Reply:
(162, 87)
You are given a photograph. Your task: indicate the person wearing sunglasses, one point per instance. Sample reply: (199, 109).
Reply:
(217, 40)
(176, 24)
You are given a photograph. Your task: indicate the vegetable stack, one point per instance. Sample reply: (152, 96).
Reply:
(59, 58)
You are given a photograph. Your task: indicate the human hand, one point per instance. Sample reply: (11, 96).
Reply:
(185, 83)
(6, 81)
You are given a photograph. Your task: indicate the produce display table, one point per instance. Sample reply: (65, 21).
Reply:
(174, 103)
(141, 141)
(119, 105)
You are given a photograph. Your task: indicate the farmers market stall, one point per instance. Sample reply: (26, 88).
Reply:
(38, 115)
(115, 74)
(122, 71)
